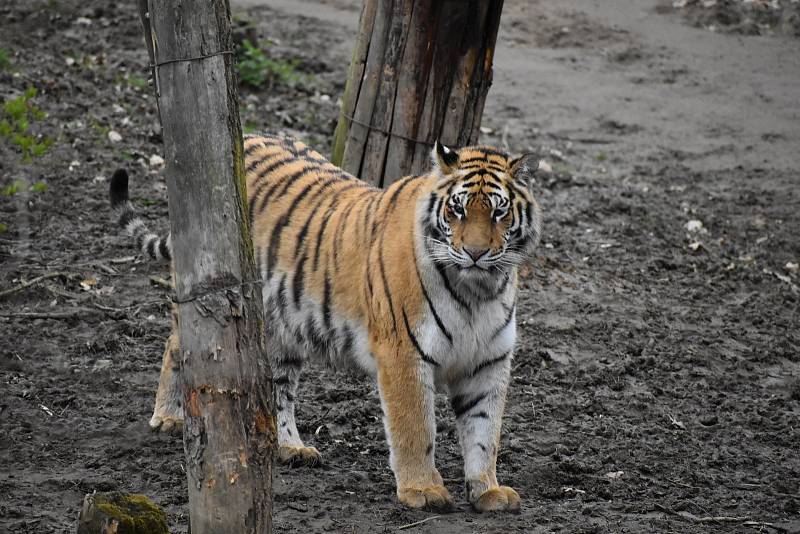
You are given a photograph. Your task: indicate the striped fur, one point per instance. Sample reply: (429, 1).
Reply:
(415, 285)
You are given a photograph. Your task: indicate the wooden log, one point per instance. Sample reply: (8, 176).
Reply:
(120, 513)
(229, 426)
(421, 71)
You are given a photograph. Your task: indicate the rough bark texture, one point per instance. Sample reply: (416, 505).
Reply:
(421, 70)
(229, 430)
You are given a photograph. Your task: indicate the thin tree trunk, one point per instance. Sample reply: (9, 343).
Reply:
(229, 429)
(420, 71)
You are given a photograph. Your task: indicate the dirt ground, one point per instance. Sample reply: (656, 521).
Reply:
(656, 386)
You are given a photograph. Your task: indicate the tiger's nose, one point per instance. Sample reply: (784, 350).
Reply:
(475, 253)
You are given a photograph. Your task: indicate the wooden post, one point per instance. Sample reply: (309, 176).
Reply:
(229, 429)
(420, 71)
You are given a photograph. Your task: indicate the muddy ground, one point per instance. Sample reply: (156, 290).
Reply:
(656, 386)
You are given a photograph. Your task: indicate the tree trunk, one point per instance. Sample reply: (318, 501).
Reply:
(420, 71)
(229, 429)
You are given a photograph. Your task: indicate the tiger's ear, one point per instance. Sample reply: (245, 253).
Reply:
(523, 168)
(445, 159)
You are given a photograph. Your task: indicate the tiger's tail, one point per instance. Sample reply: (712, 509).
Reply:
(155, 247)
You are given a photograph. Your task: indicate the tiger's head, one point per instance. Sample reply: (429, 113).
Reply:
(482, 217)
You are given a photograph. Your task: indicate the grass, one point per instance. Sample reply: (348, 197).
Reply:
(21, 185)
(101, 131)
(5, 60)
(18, 114)
(13, 189)
(258, 70)
(3, 228)
(136, 81)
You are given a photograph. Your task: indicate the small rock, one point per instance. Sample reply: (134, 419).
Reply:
(156, 161)
(614, 475)
(544, 166)
(516, 445)
(486, 130)
(792, 267)
(695, 226)
(709, 420)
(70, 61)
(99, 365)
(83, 21)
(114, 136)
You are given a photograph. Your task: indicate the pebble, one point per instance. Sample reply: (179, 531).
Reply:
(708, 420)
(114, 136)
(695, 226)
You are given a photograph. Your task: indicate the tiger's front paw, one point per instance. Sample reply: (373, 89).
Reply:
(297, 456)
(497, 499)
(433, 497)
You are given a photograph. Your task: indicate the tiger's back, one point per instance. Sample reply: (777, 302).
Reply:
(317, 233)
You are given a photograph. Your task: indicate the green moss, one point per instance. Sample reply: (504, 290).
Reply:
(136, 513)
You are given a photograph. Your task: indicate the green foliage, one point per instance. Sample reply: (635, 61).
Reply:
(5, 60)
(135, 81)
(13, 189)
(21, 185)
(258, 70)
(39, 187)
(3, 228)
(101, 131)
(601, 156)
(18, 113)
(250, 127)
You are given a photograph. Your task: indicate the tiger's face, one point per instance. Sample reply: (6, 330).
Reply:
(482, 216)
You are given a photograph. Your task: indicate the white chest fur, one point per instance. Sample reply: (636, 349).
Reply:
(459, 338)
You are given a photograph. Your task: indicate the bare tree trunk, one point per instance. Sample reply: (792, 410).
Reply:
(229, 429)
(420, 70)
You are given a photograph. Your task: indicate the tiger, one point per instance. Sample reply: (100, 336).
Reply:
(415, 285)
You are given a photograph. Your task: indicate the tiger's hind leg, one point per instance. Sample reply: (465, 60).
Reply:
(287, 362)
(168, 409)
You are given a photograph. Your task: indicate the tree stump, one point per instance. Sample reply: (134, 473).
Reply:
(121, 513)
(421, 70)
